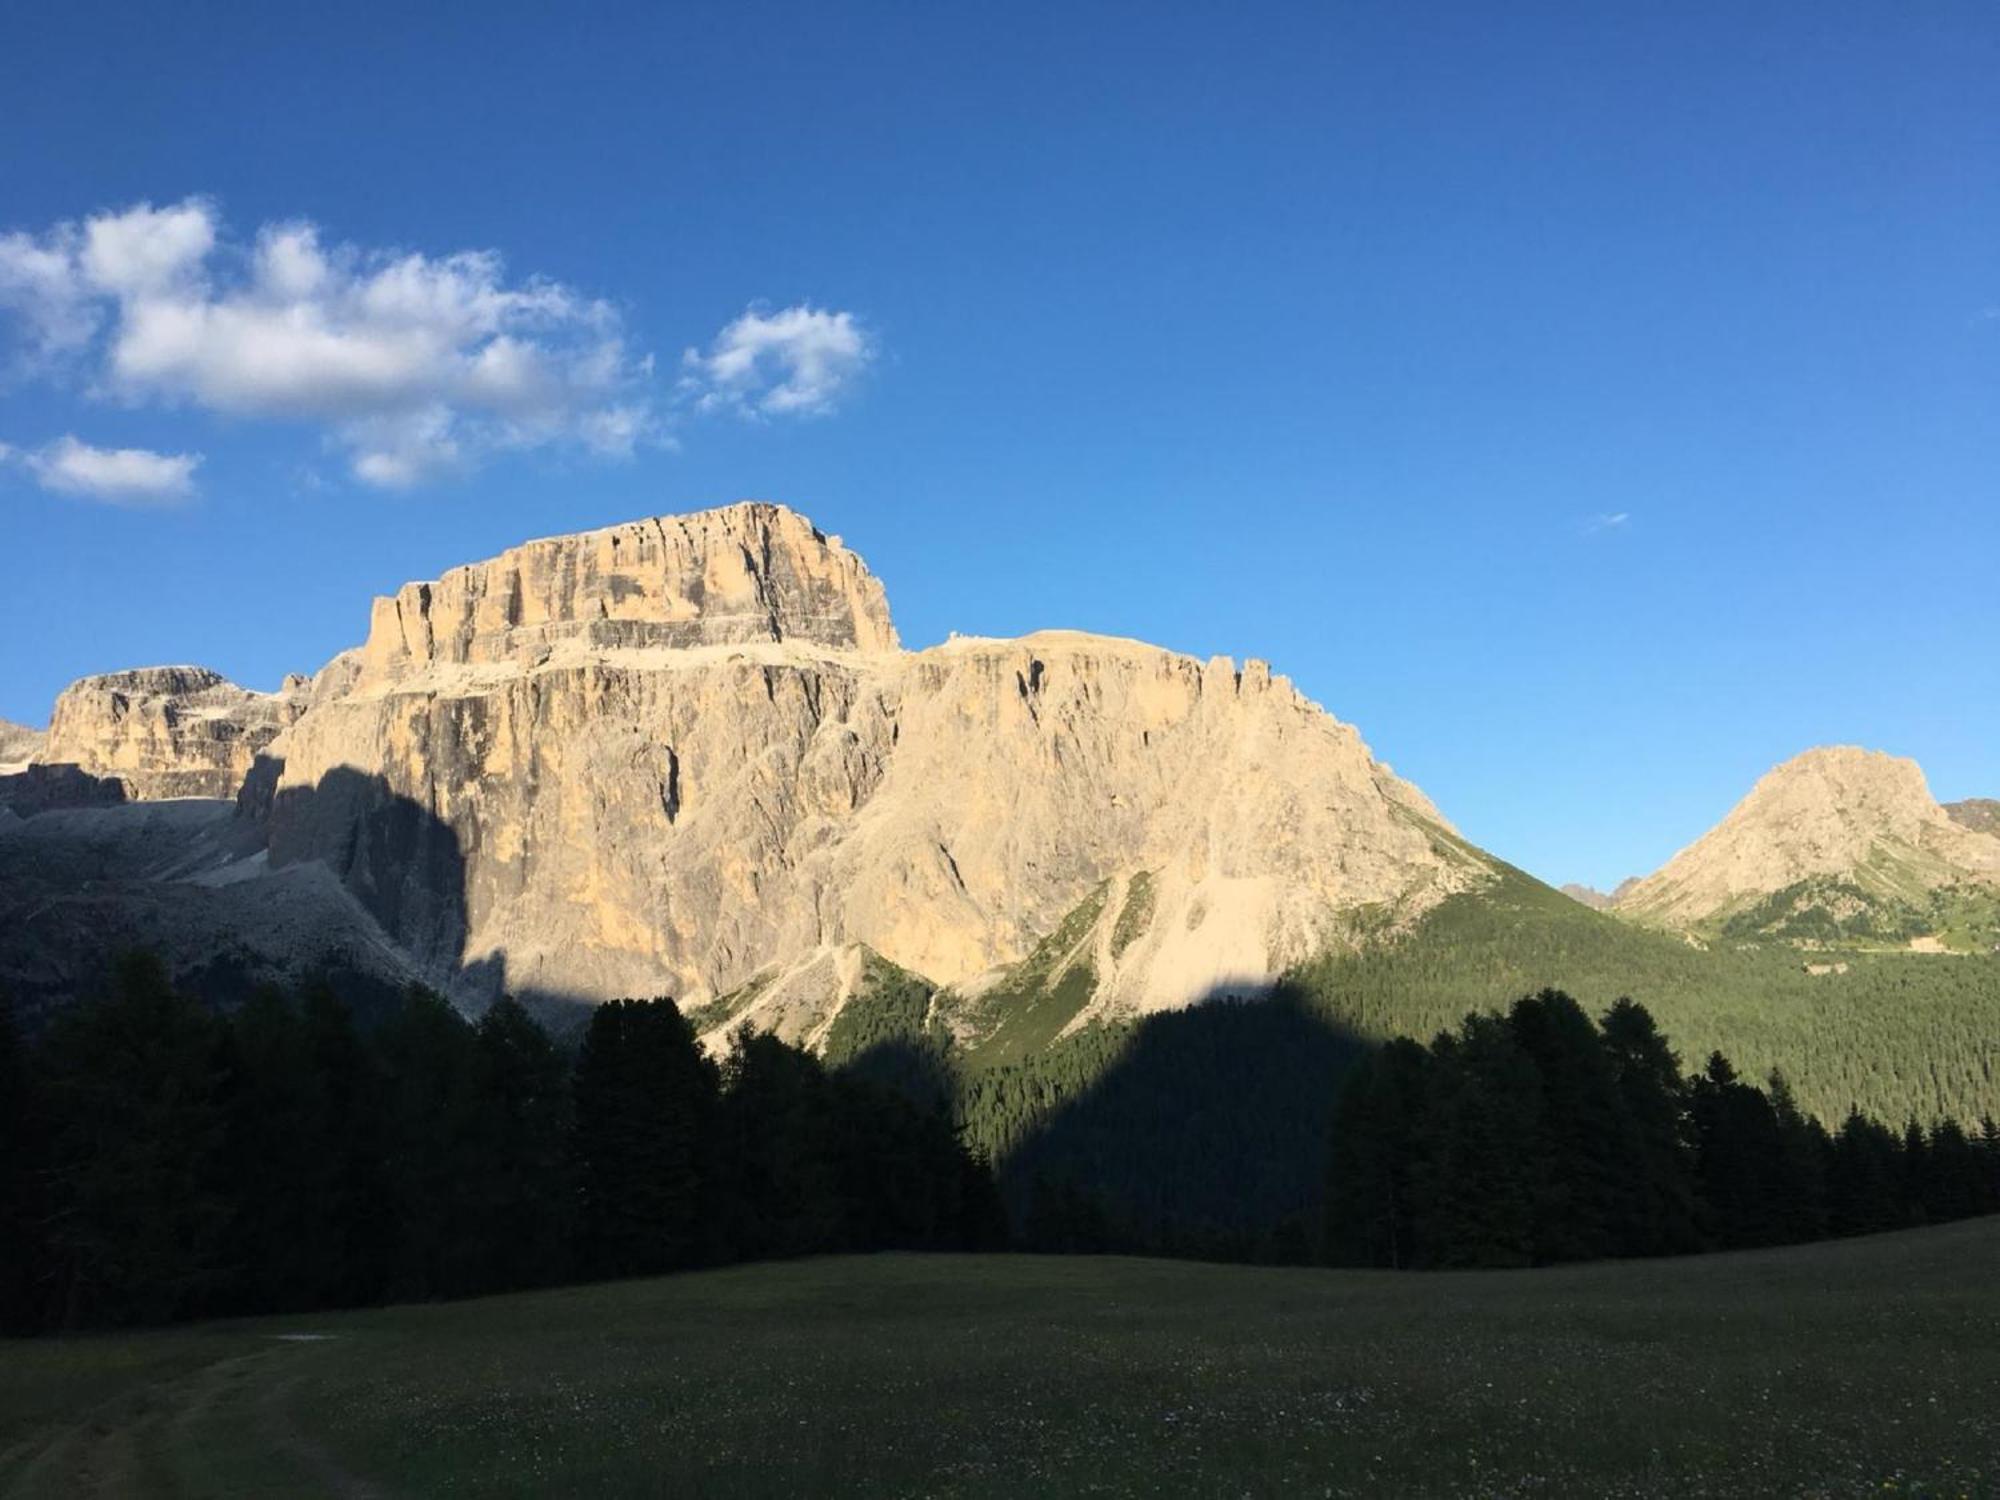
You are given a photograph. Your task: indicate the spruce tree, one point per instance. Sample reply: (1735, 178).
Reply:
(1480, 1169)
(1660, 1215)
(138, 1209)
(23, 1174)
(1373, 1160)
(282, 1162)
(359, 1216)
(645, 1105)
(1864, 1178)
(1583, 1135)
(431, 1166)
(521, 1119)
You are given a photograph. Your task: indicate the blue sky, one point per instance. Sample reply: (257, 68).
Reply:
(1595, 404)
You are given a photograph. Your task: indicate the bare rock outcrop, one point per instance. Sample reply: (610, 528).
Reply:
(1980, 814)
(18, 745)
(166, 731)
(742, 574)
(1860, 816)
(677, 755)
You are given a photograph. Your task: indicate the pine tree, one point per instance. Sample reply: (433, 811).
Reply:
(359, 1214)
(138, 1211)
(1954, 1185)
(1739, 1158)
(1583, 1135)
(1864, 1178)
(645, 1105)
(281, 1162)
(781, 1149)
(1480, 1170)
(521, 1117)
(1374, 1162)
(431, 1165)
(23, 1171)
(1799, 1180)
(1661, 1213)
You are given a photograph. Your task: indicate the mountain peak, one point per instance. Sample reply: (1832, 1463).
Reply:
(1980, 814)
(1838, 811)
(735, 575)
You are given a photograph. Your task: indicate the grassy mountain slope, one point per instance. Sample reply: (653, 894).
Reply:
(1895, 1033)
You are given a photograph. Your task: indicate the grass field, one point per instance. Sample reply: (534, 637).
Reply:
(1865, 1367)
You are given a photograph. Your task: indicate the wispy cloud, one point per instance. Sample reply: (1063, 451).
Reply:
(797, 361)
(410, 365)
(113, 476)
(1606, 520)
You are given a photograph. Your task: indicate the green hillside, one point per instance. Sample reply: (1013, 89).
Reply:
(1896, 1033)
(1893, 1032)
(1863, 1367)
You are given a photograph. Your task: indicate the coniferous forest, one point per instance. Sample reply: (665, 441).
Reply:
(163, 1161)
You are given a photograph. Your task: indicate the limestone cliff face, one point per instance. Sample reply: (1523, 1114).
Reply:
(165, 731)
(674, 756)
(1856, 815)
(742, 574)
(18, 745)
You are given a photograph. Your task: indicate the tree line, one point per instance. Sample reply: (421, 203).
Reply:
(1540, 1136)
(159, 1161)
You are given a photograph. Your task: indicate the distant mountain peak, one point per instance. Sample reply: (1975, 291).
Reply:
(1861, 818)
(1980, 814)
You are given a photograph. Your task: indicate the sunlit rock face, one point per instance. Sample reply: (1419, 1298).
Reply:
(165, 731)
(671, 756)
(18, 745)
(1838, 812)
(741, 575)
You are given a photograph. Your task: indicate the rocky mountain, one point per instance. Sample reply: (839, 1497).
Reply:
(1835, 843)
(1980, 814)
(166, 731)
(689, 756)
(18, 746)
(1595, 899)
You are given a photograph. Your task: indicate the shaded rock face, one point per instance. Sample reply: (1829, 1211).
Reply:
(38, 789)
(1856, 815)
(186, 879)
(674, 755)
(165, 731)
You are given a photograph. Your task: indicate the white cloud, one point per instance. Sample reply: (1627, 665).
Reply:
(1606, 521)
(147, 250)
(797, 361)
(116, 476)
(414, 365)
(40, 286)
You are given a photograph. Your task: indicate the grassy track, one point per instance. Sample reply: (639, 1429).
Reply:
(1869, 1367)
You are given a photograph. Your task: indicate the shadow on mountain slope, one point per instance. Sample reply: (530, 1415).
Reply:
(1205, 1135)
(346, 881)
(406, 868)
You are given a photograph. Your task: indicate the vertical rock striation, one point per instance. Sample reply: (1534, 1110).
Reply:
(673, 756)
(166, 731)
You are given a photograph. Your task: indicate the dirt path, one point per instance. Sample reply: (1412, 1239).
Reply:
(227, 1428)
